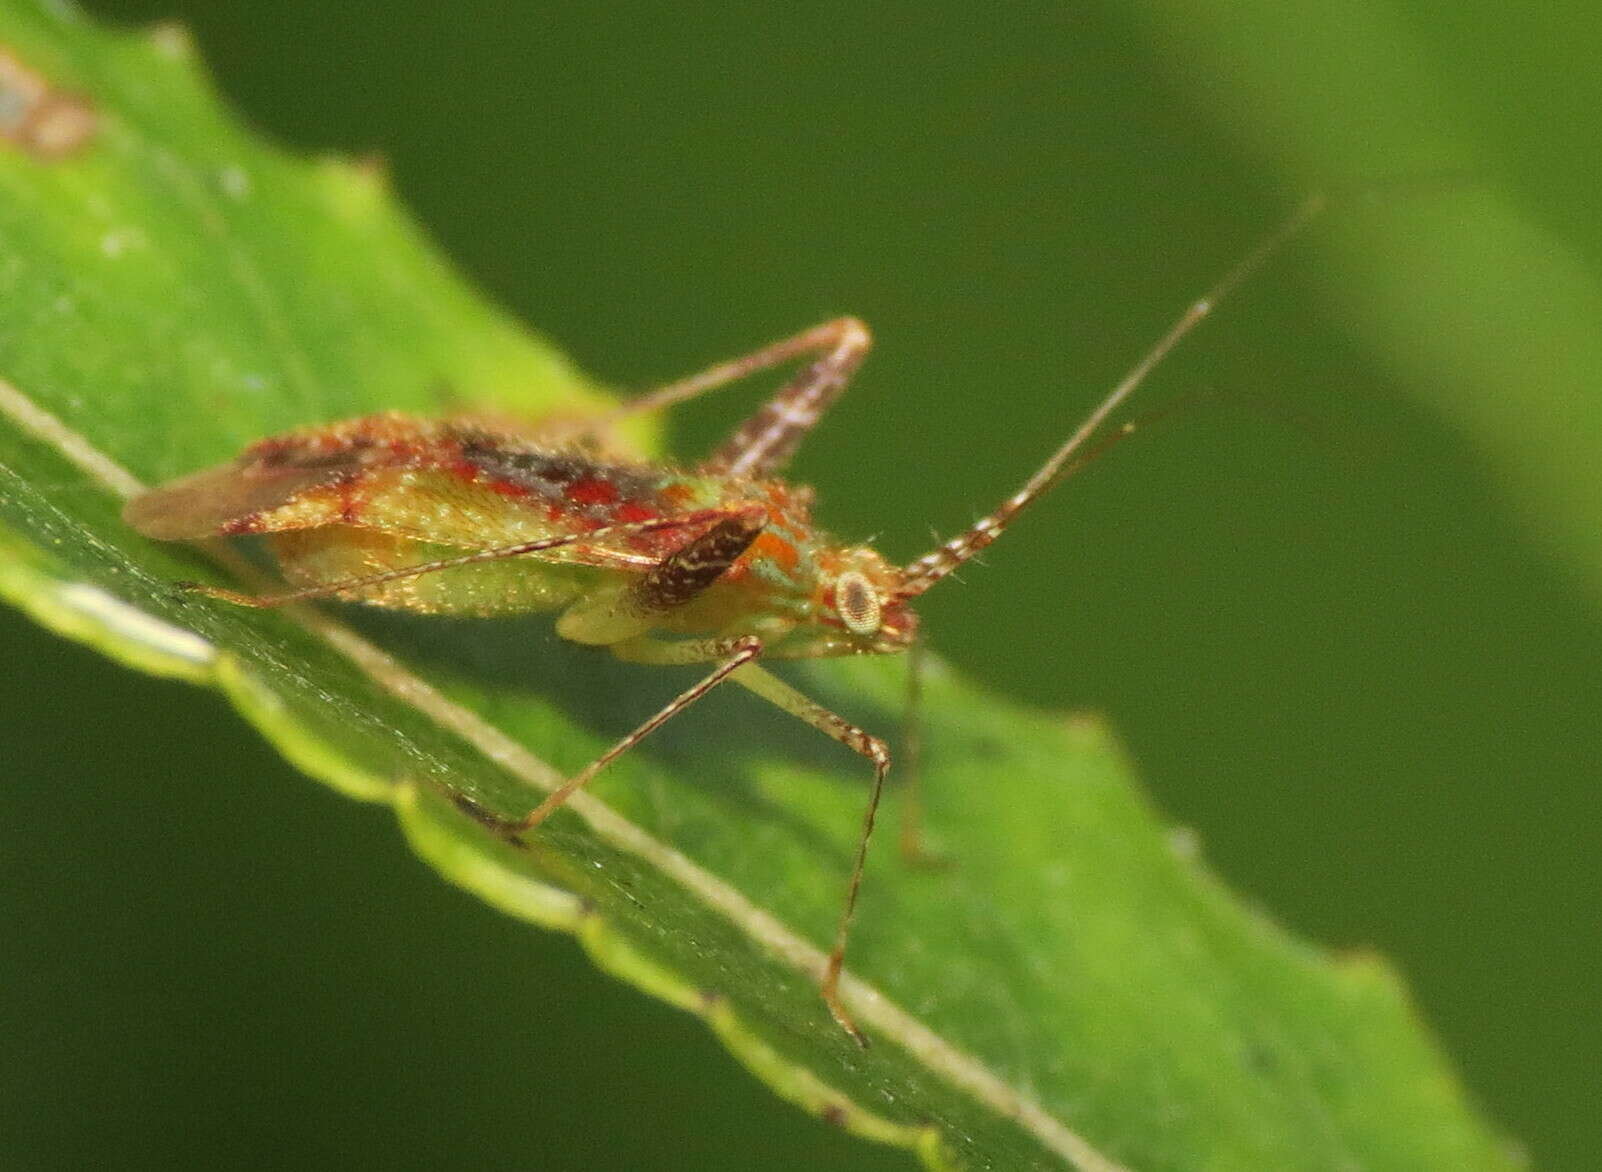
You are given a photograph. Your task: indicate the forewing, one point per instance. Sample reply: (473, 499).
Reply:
(455, 483)
(227, 499)
(439, 506)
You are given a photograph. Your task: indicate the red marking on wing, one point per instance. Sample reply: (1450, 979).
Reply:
(350, 502)
(633, 511)
(591, 491)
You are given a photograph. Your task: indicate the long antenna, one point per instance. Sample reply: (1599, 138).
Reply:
(918, 576)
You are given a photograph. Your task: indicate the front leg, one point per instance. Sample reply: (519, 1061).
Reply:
(802, 706)
(617, 618)
(780, 694)
(737, 653)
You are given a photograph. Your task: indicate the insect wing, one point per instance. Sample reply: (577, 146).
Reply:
(220, 500)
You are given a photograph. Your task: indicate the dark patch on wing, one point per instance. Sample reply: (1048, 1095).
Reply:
(550, 472)
(691, 569)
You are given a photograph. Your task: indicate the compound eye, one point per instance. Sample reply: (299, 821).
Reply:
(857, 603)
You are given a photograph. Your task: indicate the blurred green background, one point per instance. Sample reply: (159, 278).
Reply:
(1339, 652)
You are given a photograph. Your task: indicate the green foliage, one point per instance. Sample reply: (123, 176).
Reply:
(1076, 991)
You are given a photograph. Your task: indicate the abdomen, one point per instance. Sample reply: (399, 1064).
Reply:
(331, 553)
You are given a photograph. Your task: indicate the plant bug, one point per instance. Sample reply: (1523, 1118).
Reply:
(716, 564)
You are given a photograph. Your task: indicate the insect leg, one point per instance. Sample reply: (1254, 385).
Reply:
(911, 838)
(797, 704)
(819, 338)
(777, 692)
(766, 440)
(739, 653)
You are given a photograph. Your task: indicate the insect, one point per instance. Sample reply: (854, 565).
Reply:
(719, 563)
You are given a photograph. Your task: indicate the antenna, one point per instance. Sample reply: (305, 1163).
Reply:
(919, 575)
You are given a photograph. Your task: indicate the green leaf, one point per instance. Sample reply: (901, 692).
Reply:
(1077, 991)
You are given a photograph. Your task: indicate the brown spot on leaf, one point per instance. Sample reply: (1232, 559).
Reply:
(35, 116)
